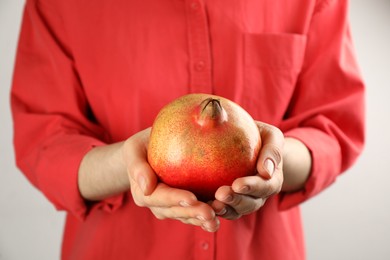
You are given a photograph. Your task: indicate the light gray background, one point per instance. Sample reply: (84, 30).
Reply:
(350, 220)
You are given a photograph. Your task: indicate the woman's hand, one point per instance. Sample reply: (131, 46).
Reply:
(109, 170)
(248, 194)
(163, 201)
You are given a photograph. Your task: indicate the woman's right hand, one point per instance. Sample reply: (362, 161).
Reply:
(164, 202)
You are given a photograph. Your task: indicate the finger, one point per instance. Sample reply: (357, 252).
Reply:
(200, 215)
(138, 182)
(165, 196)
(242, 205)
(225, 211)
(138, 169)
(218, 207)
(238, 204)
(201, 212)
(270, 157)
(224, 195)
(142, 176)
(231, 214)
(257, 187)
(209, 226)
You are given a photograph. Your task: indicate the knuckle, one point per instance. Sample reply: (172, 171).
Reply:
(183, 220)
(139, 203)
(276, 132)
(249, 209)
(268, 189)
(280, 184)
(188, 222)
(158, 214)
(159, 217)
(276, 154)
(261, 203)
(252, 205)
(272, 187)
(138, 200)
(237, 199)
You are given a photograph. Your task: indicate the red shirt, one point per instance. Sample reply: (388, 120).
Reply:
(95, 72)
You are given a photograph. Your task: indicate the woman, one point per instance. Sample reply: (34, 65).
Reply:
(90, 77)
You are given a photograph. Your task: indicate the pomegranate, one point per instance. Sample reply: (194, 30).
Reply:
(200, 142)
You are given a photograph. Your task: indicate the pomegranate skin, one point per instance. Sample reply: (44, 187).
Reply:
(200, 142)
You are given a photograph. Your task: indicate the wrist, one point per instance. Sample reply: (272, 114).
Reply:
(297, 163)
(102, 173)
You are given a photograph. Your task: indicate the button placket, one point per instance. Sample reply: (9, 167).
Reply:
(199, 66)
(199, 47)
(205, 244)
(194, 5)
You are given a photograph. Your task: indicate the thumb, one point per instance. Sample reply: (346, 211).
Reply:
(270, 157)
(140, 173)
(144, 177)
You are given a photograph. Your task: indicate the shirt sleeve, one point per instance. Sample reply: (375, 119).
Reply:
(53, 125)
(327, 109)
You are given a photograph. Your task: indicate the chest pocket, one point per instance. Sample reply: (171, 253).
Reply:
(272, 63)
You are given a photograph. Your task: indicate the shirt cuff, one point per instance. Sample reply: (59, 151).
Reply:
(326, 165)
(59, 181)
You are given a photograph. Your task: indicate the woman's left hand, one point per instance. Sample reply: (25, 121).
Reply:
(248, 194)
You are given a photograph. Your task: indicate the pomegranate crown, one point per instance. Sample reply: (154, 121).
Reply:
(212, 112)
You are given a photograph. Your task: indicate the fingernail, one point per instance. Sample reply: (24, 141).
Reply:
(205, 227)
(222, 212)
(269, 167)
(243, 189)
(184, 203)
(210, 227)
(201, 218)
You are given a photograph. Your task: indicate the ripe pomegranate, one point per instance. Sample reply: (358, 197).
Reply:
(200, 142)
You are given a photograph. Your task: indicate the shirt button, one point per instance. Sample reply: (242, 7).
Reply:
(204, 245)
(194, 6)
(200, 66)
